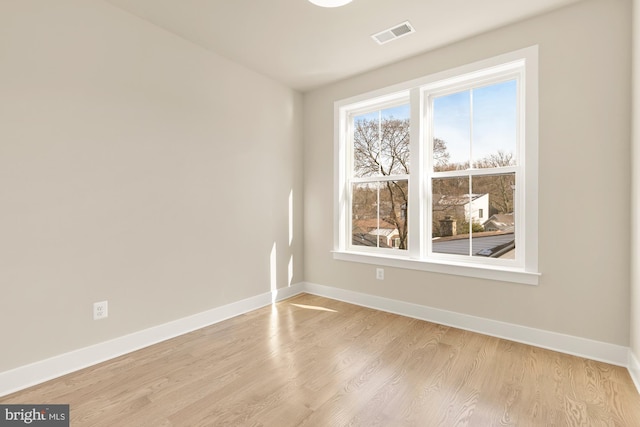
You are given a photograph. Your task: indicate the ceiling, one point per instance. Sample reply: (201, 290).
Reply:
(305, 46)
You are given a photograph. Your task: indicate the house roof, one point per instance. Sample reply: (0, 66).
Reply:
(446, 200)
(366, 239)
(500, 222)
(483, 244)
(384, 231)
(372, 223)
(503, 218)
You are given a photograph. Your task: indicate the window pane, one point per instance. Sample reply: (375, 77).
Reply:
(381, 142)
(394, 201)
(452, 131)
(478, 124)
(498, 237)
(379, 214)
(494, 125)
(364, 214)
(451, 209)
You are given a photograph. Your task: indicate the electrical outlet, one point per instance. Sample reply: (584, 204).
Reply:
(380, 273)
(100, 310)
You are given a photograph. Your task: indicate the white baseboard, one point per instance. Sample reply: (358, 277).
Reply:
(634, 369)
(590, 349)
(38, 372)
(48, 369)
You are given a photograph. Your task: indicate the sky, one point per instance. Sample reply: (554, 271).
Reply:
(492, 118)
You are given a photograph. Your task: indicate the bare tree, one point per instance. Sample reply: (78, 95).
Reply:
(500, 187)
(440, 154)
(381, 148)
(499, 159)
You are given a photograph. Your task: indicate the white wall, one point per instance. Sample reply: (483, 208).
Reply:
(635, 198)
(584, 157)
(136, 168)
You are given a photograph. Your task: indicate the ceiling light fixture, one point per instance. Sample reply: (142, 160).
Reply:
(330, 3)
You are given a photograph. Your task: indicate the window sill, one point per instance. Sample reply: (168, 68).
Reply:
(503, 274)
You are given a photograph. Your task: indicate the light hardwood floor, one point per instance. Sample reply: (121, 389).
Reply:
(313, 361)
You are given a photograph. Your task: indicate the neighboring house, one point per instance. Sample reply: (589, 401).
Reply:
(500, 222)
(365, 239)
(474, 206)
(365, 232)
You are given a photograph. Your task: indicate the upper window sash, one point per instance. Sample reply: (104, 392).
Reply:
(361, 109)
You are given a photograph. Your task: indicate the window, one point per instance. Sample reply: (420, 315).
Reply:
(440, 174)
(379, 193)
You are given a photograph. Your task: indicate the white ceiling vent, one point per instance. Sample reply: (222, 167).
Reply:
(393, 33)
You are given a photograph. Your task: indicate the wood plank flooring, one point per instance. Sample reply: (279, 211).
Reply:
(312, 361)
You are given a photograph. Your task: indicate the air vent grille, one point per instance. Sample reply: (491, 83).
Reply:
(393, 33)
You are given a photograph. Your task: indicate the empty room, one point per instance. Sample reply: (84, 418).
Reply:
(320, 213)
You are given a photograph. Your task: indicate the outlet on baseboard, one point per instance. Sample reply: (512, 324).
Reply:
(380, 273)
(100, 310)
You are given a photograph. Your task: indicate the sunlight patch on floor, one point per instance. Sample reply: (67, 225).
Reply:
(315, 307)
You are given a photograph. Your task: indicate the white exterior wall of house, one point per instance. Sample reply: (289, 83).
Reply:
(478, 209)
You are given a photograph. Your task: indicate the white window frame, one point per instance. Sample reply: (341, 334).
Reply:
(522, 65)
(396, 99)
